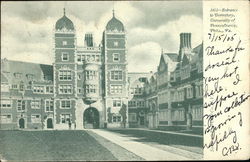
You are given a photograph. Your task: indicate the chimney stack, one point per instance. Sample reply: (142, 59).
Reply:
(185, 45)
(88, 40)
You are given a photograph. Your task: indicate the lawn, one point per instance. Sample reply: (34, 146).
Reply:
(51, 145)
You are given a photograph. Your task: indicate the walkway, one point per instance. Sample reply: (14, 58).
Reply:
(168, 132)
(143, 150)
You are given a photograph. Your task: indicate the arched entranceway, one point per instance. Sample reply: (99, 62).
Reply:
(21, 123)
(49, 123)
(91, 118)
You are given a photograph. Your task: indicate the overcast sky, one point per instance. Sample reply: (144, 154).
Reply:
(27, 28)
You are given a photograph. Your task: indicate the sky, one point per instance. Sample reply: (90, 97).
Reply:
(27, 28)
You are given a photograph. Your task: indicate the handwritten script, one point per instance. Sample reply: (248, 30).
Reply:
(223, 101)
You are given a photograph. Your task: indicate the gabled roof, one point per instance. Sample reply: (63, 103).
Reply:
(11, 68)
(172, 56)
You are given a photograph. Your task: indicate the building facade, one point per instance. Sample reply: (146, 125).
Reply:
(86, 87)
(174, 94)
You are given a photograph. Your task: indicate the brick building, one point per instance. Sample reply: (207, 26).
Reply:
(174, 93)
(82, 89)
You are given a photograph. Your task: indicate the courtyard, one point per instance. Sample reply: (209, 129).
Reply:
(98, 144)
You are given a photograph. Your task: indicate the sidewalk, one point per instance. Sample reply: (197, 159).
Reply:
(143, 150)
(168, 132)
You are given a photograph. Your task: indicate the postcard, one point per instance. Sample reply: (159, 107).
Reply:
(124, 80)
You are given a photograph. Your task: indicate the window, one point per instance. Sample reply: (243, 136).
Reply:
(65, 56)
(21, 105)
(91, 88)
(79, 77)
(65, 104)
(65, 118)
(116, 44)
(117, 103)
(79, 90)
(116, 89)
(5, 104)
(132, 117)
(140, 103)
(116, 57)
(199, 91)
(90, 75)
(189, 92)
(132, 103)
(17, 75)
(21, 87)
(35, 118)
(80, 58)
(138, 91)
(49, 89)
(49, 106)
(116, 75)
(35, 104)
(117, 118)
(65, 75)
(65, 89)
(64, 43)
(6, 118)
(14, 86)
(30, 76)
(38, 89)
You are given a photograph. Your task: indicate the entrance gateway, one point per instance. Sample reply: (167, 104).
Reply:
(91, 118)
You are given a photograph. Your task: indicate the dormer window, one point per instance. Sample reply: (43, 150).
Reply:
(65, 56)
(17, 75)
(64, 43)
(30, 76)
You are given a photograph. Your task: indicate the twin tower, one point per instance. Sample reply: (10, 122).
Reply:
(90, 82)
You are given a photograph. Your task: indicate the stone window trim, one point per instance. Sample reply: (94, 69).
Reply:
(116, 118)
(49, 105)
(49, 89)
(5, 103)
(6, 118)
(116, 88)
(21, 105)
(117, 103)
(38, 89)
(65, 75)
(35, 104)
(65, 104)
(116, 75)
(65, 56)
(65, 118)
(116, 44)
(116, 57)
(64, 43)
(65, 88)
(35, 118)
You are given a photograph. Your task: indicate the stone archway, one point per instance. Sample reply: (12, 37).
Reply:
(91, 118)
(21, 123)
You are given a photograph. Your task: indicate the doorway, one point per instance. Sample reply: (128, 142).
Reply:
(21, 123)
(49, 123)
(91, 118)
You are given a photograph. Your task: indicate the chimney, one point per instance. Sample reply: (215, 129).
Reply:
(185, 45)
(88, 40)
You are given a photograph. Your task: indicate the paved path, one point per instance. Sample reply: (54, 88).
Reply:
(145, 151)
(168, 132)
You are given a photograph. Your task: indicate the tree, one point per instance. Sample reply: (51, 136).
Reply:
(123, 112)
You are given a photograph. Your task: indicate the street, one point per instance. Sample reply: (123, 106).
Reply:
(87, 145)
